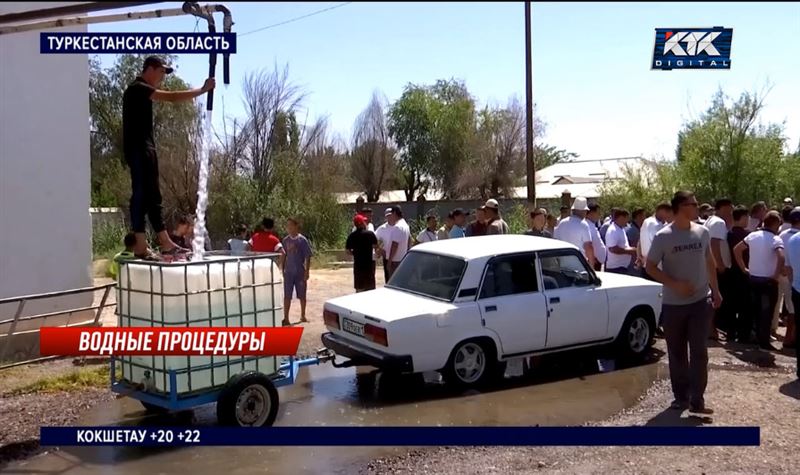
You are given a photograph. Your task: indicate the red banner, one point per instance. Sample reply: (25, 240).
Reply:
(147, 341)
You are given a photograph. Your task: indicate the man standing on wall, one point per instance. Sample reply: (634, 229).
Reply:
(139, 149)
(687, 271)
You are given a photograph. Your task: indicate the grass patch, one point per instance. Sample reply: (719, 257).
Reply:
(84, 378)
(322, 260)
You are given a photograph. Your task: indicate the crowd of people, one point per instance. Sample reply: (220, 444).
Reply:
(392, 240)
(729, 272)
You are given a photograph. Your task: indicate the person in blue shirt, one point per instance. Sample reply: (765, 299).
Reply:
(459, 221)
(793, 265)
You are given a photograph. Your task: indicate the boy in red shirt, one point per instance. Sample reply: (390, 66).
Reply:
(265, 239)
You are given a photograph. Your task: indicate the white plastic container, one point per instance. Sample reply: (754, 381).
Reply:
(221, 291)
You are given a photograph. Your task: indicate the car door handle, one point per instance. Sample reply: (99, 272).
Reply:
(555, 300)
(491, 308)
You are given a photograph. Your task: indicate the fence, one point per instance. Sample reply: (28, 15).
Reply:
(106, 216)
(19, 335)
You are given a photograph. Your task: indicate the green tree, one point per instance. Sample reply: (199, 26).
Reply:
(728, 152)
(433, 127)
(411, 125)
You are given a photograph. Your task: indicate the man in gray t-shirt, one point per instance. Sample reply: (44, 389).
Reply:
(682, 254)
(687, 272)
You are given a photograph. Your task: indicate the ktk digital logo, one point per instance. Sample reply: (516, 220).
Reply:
(692, 48)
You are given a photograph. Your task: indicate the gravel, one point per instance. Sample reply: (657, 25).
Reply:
(23, 415)
(745, 389)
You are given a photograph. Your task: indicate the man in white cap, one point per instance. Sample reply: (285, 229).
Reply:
(575, 230)
(495, 224)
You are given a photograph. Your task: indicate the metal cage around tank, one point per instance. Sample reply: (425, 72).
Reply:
(156, 317)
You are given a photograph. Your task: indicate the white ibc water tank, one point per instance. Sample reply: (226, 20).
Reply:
(220, 291)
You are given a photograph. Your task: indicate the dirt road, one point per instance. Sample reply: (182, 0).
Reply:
(746, 388)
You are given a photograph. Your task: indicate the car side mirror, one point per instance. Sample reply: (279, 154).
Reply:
(597, 281)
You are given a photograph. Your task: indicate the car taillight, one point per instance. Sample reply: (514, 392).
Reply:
(331, 319)
(376, 334)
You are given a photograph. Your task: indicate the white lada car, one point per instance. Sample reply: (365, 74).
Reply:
(466, 306)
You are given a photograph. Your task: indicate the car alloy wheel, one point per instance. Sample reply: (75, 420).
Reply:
(469, 362)
(638, 335)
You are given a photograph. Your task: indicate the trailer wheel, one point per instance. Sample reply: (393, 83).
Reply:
(248, 400)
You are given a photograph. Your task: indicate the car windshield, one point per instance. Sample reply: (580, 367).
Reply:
(431, 275)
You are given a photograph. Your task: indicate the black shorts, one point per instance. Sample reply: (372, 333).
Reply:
(364, 279)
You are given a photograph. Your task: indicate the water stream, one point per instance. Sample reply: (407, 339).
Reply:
(198, 243)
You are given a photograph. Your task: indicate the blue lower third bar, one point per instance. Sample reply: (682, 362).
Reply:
(403, 436)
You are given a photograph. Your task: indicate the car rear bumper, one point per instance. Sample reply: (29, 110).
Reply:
(361, 355)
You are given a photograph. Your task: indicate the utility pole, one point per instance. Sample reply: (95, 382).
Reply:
(531, 166)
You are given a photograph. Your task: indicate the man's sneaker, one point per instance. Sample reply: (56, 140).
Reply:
(707, 411)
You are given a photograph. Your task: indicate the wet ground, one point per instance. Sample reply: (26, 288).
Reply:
(566, 391)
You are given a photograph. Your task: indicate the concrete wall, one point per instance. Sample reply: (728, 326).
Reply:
(45, 227)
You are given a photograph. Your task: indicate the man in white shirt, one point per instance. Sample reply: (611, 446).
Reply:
(399, 239)
(575, 230)
(598, 245)
(429, 233)
(785, 284)
(650, 226)
(620, 253)
(766, 267)
(718, 226)
(757, 213)
(383, 233)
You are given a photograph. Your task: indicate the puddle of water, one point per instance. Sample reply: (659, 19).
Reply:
(345, 397)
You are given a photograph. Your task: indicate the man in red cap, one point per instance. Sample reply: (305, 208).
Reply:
(139, 148)
(360, 244)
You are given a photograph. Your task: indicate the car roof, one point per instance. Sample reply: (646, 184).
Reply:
(486, 246)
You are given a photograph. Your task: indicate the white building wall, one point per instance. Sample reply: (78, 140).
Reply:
(45, 227)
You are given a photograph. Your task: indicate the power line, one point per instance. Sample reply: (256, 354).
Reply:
(291, 20)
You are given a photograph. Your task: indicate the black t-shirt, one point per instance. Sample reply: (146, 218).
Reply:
(137, 117)
(735, 236)
(361, 242)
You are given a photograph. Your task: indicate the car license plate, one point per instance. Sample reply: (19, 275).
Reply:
(353, 327)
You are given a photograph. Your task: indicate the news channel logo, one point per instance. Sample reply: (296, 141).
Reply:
(692, 48)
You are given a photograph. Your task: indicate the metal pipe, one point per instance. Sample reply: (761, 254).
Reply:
(212, 66)
(86, 7)
(227, 27)
(206, 13)
(87, 20)
(60, 293)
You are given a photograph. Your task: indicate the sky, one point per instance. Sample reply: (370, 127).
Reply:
(592, 82)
